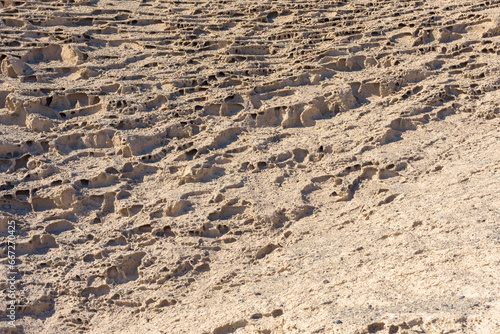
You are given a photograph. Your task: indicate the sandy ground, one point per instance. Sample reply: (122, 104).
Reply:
(251, 166)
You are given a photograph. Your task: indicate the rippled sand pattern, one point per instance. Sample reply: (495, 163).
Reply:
(251, 166)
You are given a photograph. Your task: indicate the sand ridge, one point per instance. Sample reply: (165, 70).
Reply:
(252, 167)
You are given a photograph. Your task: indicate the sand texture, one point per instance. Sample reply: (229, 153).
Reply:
(215, 167)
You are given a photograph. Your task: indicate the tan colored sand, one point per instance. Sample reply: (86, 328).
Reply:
(251, 166)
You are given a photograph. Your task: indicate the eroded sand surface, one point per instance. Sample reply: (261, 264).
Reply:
(252, 166)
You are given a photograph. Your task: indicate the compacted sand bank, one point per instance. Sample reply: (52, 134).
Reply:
(250, 166)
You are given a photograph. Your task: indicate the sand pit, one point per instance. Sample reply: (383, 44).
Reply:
(250, 166)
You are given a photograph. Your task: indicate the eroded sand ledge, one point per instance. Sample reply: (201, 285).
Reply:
(252, 167)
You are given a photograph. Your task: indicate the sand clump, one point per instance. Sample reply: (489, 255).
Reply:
(251, 167)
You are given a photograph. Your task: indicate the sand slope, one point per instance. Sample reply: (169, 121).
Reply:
(252, 167)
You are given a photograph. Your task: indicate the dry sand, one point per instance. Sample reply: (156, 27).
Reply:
(251, 166)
